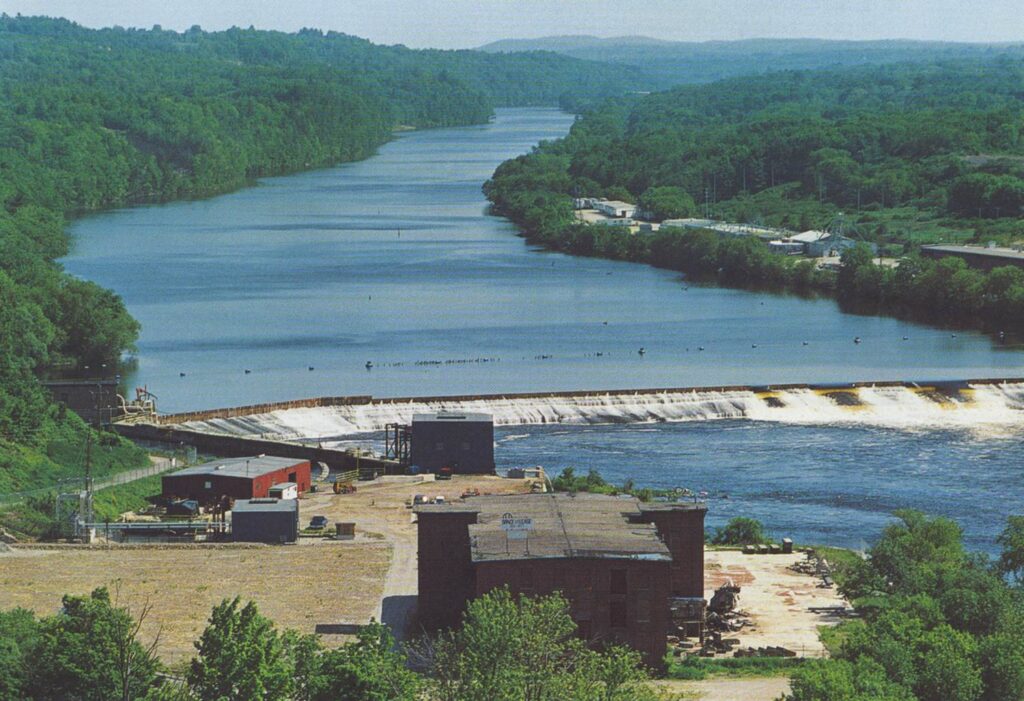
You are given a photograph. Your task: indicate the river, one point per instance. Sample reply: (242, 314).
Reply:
(304, 280)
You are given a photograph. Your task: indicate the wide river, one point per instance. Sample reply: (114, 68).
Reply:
(303, 280)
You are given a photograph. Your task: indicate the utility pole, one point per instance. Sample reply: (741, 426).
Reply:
(85, 506)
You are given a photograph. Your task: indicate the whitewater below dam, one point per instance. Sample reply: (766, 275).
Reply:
(388, 278)
(982, 408)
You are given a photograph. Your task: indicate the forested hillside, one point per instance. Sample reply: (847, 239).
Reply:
(909, 153)
(664, 64)
(91, 119)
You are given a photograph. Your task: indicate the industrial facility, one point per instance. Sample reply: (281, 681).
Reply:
(624, 565)
(236, 478)
(462, 443)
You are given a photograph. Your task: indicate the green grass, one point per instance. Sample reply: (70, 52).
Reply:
(31, 473)
(111, 502)
(696, 668)
(833, 637)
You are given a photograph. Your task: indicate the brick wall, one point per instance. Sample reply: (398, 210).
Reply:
(446, 577)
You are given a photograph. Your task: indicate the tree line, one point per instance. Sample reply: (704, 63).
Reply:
(937, 144)
(506, 649)
(91, 119)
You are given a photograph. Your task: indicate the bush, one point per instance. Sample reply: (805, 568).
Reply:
(740, 531)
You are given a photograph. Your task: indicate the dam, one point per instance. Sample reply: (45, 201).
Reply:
(825, 463)
(950, 404)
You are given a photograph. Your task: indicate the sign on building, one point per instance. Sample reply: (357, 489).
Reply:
(516, 528)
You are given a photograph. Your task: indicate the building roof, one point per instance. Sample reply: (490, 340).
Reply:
(284, 485)
(993, 252)
(810, 236)
(265, 506)
(563, 526)
(453, 417)
(253, 467)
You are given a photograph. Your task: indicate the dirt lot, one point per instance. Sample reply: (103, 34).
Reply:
(296, 587)
(776, 599)
(316, 582)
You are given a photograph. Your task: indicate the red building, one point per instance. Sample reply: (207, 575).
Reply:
(619, 562)
(236, 478)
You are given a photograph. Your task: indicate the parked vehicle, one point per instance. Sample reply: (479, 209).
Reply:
(318, 522)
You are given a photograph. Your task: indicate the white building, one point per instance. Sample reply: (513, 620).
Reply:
(285, 490)
(615, 209)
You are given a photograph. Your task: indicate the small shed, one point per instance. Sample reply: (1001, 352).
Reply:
(285, 490)
(265, 520)
(462, 442)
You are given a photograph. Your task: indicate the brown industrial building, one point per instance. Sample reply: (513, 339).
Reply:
(236, 478)
(96, 401)
(622, 564)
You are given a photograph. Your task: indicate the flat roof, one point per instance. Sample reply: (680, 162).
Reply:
(563, 526)
(284, 485)
(265, 505)
(996, 252)
(454, 417)
(239, 467)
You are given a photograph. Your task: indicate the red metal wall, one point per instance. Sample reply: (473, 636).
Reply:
(612, 601)
(194, 486)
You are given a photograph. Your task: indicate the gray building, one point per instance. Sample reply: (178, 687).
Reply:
(982, 258)
(265, 520)
(462, 442)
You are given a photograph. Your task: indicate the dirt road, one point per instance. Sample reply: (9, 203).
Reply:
(761, 689)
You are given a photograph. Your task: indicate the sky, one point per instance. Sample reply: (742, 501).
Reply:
(471, 23)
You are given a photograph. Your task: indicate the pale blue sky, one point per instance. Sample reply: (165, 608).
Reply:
(469, 23)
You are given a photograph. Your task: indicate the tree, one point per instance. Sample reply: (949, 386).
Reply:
(510, 649)
(667, 203)
(740, 530)
(369, 669)
(1011, 559)
(241, 657)
(19, 635)
(841, 680)
(92, 652)
(1003, 669)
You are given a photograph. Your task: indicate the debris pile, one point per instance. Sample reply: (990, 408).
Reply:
(815, 565)
(724, 617)
(770, 651)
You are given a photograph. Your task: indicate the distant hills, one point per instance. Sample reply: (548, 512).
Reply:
(662, 64)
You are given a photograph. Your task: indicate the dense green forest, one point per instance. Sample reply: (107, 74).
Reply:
(91, 119)
(664, 64)
(910, 153)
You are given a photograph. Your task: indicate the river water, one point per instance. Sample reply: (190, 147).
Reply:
(303, 280)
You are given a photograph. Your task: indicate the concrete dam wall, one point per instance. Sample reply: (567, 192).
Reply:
(957, 403)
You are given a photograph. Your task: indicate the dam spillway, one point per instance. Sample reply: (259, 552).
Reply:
(900, 405)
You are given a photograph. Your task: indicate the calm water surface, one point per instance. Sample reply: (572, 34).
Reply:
(393, 261)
